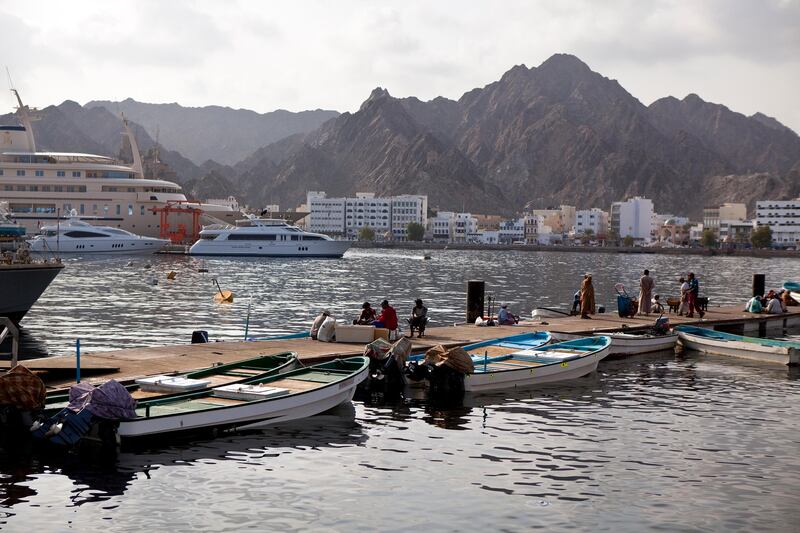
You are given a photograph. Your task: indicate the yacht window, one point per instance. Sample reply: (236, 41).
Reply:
(81, 234)
(208, 237)
(117, 231)
(76, 174)
(312, 238)
(61, 173)
(20, 172)
(50, 233)
(295, 237)
(39, 173)
(250, 237)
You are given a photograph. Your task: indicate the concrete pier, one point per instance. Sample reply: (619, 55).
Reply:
(59, 371)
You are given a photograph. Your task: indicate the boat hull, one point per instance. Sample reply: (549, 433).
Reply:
(249, 415)
(741, 349)
(145, 245)
(528, 377)
(21, 285)
(324, 249)
(630, 344)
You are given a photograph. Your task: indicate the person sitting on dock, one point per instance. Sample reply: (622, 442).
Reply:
(388, 317)
(318, 323)
(754, 305)
(774, 306)
(367, 316)
(419, 318)
(505, 317)
(657, 306)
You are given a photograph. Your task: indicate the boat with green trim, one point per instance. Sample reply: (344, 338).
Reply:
(721, 343)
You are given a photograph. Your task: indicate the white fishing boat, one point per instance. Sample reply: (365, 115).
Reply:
(546, 312)
(629, 343)
(254, 404)
(264, 237)
(75, 236)
(721, 343)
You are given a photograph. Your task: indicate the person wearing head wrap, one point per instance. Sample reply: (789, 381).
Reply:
(587, 296)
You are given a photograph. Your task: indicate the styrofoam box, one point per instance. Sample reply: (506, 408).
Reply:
(248, 392)
(171, 384)
(355, 334)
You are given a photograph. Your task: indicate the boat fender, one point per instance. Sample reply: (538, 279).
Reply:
(54, 430)
(36, 425)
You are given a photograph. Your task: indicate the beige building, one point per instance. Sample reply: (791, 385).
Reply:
(727, 211)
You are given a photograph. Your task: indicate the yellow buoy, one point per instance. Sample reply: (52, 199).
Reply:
(224, 297)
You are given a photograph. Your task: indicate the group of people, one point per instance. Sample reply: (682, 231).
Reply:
(388, 317)
(690, 292)
(774, 303)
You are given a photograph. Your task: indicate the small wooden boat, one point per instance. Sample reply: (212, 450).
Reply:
(162, 386)
(630, 343)
(533, 366)
(546, 312)
(721, 343)
(256, 403)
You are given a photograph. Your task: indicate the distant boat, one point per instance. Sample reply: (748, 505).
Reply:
(75, 236)
(9, 228)
(263, 237)
(720, 343)
(546, 312)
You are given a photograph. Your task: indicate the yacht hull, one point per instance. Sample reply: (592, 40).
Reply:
(330, 249)
(22, 285)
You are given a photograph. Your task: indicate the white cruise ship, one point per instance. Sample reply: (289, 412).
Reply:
(265, 237)
(42, 187)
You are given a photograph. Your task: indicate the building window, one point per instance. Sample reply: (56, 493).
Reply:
(141, 210)
(61, 173)
(119, 209)
(76, 174)
(39, 173)
(45, 188)
(20, 172)
(130, 209)
(21, 187)
(9, 187)
(82, 188)
(82, 209)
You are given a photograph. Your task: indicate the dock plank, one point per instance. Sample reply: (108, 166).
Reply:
(139, 362)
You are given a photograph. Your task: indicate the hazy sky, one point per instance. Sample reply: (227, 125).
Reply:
(299, 55)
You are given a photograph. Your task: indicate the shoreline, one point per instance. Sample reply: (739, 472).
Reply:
(424, 246)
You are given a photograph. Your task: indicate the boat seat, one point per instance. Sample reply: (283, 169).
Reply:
(517, 345)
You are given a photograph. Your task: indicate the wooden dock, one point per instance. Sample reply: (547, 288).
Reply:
(59, 371)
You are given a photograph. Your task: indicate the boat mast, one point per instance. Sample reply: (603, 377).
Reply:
(137, 158)
(25, 118)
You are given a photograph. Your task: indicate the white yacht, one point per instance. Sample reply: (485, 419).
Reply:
(265, 237)
(79, 237)
(43, 187)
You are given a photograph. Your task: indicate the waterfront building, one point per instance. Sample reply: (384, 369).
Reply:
(511, 231)
(783, 218)
(560, 220)
(388, 216)
(537, 231)
(735, 231)
(632, 218)
(448, 226)
(595, 220)
(727, 211)
(696, 232)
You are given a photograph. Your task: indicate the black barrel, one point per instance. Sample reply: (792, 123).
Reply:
(475, 293)
(759, 284)
(199, 336)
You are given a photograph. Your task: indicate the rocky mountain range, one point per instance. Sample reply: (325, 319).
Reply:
(218, 133)
(556, 133)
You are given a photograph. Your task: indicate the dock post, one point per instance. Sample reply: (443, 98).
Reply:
(759, 284)
(475, 293)
(77, 360)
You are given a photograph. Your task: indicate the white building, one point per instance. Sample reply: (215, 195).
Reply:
(511, 231)
(387, 216)
(633, 218)
(537, 231)
(448, 226)
(783, 218)
(735, 231)
(595, 220)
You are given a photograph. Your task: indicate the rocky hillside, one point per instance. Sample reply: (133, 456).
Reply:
(558, 133)
(220, 133)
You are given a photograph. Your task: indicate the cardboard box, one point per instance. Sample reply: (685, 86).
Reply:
(355, 334)
(381, 333)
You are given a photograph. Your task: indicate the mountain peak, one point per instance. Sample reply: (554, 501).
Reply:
(564, 63)
(378, 94)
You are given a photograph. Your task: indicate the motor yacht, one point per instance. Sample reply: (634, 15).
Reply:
(265, 237)
(79, 237)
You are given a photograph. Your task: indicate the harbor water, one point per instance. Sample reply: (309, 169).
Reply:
(660, 441)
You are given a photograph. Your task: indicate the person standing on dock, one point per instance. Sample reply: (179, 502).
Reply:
(646, 285)
(693, 294)
(587, 296)
(683, 308)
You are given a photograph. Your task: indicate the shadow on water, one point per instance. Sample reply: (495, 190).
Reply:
(99, 480)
